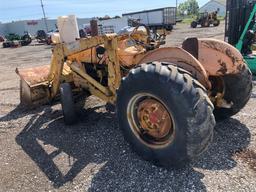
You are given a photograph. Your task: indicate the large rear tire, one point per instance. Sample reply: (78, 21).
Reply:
(238, 89)
(169, 27)
(193, 24)
(216, 23)
(164, 114)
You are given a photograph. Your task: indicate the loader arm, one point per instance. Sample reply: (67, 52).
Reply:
(37, 88)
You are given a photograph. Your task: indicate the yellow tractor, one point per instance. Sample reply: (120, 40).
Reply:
(167, 99)
(206, 19)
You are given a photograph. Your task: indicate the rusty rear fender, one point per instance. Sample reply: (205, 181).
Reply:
(180, 58)
(217, 57)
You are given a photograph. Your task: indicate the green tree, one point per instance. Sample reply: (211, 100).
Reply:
(189, 7)
(193, 7)
(182, 8)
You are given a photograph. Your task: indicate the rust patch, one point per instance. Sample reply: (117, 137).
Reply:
(223, 68)
(34, 75)
(214, 45)
(248, 156)
(180, 58)
(211, 45)
(223, 49)
(240, 67)
(219, 58)
(154, 118)
(231, 56)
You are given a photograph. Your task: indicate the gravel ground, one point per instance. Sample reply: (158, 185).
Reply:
(183, 31)
(39, 153)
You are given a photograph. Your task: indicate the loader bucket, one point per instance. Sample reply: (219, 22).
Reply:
(34, 89)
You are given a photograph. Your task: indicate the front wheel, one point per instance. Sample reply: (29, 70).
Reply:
(164, 114)
(193, 24)
(67, 104)
(216, 23)
(169, 27)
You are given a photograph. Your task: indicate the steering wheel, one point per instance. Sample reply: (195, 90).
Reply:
(140, 41)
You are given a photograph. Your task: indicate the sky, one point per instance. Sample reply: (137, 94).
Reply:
(13, 10)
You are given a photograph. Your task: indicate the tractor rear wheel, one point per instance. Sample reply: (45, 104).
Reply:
(169, 27)
(193, 24)
(216, 23)
(67, 103)
(238, 89)
(164, 114)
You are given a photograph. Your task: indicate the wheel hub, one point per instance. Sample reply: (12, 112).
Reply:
(154, 119)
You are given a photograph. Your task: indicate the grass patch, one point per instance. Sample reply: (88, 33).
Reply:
(188, 19)
(221, 18)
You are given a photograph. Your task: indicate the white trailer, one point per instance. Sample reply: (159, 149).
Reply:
(155, 18)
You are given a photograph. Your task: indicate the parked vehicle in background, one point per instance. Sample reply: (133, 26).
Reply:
(206, 20)
(41, 36)
(14, 40)
(12, 37)
(82, 33)
(1, 39)
(26, 39)
(163, 18)
(112, 25)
